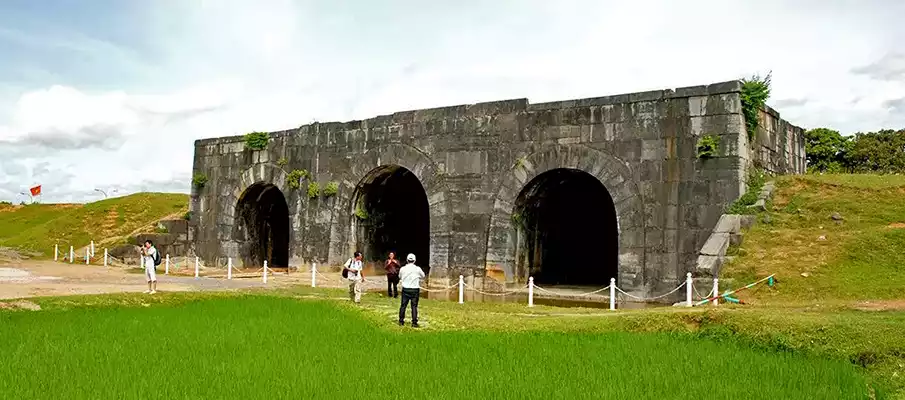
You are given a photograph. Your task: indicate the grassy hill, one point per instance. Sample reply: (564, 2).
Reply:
(37, 227)
(821, 260)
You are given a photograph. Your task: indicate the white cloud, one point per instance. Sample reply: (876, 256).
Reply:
(225, 67)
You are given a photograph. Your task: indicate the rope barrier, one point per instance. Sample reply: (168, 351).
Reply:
(650, 298)
(492, 294)
(572, 295)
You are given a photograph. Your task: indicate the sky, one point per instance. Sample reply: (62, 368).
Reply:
(107, 95)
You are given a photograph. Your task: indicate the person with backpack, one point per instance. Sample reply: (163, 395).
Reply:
(152, 259)
(352, 272)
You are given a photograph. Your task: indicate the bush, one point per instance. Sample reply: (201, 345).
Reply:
(754, 95)
(257, 140)
(313, 190)
(282, 162)
(187, 216)
(331, 189)
(199, 180)
(708, 146)
(294, 178)
(361, 213)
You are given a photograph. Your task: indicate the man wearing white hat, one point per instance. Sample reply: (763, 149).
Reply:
(410, 277)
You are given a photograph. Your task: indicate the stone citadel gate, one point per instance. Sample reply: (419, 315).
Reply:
(571, 192)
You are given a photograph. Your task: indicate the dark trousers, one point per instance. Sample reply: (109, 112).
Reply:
(409, 295)
(392, 289)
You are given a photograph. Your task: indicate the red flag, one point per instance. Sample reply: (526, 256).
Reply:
(36, 190)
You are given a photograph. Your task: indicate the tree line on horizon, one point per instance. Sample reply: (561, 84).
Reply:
(881, 152)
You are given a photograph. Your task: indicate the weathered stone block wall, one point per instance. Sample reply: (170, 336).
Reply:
(473, 160)
(778, 145)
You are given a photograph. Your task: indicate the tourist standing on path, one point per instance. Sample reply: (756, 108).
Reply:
(355, 277)
(392, 268)
(149, 254)
(411, 276)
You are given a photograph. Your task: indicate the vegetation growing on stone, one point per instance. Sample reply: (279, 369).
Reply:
(313, 190)
(756, 180)
(361, 213)
(199, 180)
(331, 189)
(257, 140)
(282, 162)
(708, 146)
(754, 94)
(295, 177)
(187, 216)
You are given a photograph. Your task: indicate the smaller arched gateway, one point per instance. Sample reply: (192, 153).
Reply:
(263, 230)
(390, 214)
(567, 229)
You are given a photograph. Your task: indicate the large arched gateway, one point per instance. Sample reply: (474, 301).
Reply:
(567, 229)
(391, 214)
(263, 226)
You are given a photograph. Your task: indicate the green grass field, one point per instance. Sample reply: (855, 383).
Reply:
(281, 347)
(858, 258)
(37, 227)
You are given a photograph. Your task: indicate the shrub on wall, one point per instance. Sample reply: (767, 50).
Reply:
(708, 146)
(313, 190)
(282, 162)
(361, 213)
(199, 180)
(331, 189)
(754, 95)
(257, 140)
(294, 178)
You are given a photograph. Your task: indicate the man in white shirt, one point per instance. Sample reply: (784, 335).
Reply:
(355, 276)
(410, 277)
(148, 253)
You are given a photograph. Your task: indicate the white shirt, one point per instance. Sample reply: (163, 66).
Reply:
(149, 258)
(410, 276)
(355, 265)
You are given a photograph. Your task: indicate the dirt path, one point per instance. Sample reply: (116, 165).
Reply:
(30, 278)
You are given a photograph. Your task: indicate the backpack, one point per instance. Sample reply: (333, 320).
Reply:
(156, 257)
(346, 268)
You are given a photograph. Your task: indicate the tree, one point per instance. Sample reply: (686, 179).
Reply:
(882, 151)
(826, 150)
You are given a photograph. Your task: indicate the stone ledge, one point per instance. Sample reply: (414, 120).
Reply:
(728, 230)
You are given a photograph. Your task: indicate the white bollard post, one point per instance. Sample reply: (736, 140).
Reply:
(56, 251)
(87, 255)
(313, 275)
(141, 262)
(196, 267)
(264, 279)
(106, 257)
(530, 291)
(689, 286)
(461, 288)
(229, 268)
(71, 254)
(92, 248)
(716, 291)
(612, 293)
(166, 270)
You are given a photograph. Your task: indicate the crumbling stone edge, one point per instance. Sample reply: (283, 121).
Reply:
(729, 230)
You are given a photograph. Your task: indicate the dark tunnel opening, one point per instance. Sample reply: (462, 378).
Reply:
(264, 226)
(392, 215)
(568, 230)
